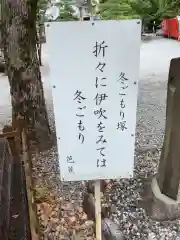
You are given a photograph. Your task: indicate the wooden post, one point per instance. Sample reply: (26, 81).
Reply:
(97, 184)
(18, 214)
(10, 134)
(169, 166)
(98, 209)
(29, 187)
(5, 189)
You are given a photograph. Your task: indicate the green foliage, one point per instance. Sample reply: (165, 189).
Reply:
(41, 9)
(66, 12)
(43, 4)
(155, 9)
(116, 9)
(146, 9)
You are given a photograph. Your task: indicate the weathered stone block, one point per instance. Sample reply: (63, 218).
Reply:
(163, 208)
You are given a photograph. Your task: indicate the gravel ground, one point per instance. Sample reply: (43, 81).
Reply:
(124, 195)
(59, 204)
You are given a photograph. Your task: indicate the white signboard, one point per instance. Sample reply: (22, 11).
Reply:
(94, 70)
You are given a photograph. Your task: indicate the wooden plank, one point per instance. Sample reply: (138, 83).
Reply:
(19, 218)
(15, 207)
(12, 137)
(9, 134)
(29, 188)
(5, 188)
(169, 167)
(97, 195)
(14, 211)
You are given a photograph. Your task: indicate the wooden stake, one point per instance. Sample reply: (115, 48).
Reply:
(98, 209)
(29, 187)
(97, 191)
(169, 165)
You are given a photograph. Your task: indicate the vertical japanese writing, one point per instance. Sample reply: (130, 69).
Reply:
(100, 97)
(70, 163)
(79, 98)
(123, 82)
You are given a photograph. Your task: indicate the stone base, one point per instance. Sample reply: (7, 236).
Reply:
(163, 208)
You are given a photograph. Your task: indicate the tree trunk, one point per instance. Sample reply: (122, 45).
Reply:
(18, 24)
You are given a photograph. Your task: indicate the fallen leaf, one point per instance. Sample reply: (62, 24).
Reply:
(62, 220)
(80, 209)
(84, 216)
(46, 211)
(72, 219)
